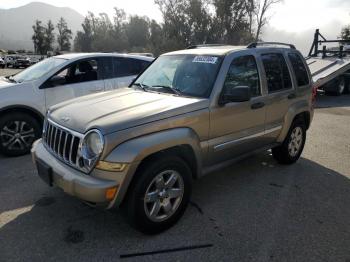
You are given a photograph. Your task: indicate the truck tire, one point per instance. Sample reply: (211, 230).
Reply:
(347, 85)
(18, 131)
(293, 145)
(341, 86)
(159, 196)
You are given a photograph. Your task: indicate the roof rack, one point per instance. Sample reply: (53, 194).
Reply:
(256, 44)
(205, 45)
(314, 51)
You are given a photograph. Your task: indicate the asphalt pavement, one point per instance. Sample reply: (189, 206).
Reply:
(255, 210)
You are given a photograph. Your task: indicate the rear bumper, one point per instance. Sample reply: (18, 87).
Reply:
(73, 182)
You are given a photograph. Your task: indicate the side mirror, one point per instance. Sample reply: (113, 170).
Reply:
(56, 81)
(232, 93)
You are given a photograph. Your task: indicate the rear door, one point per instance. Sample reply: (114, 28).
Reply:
(80, 78)
(127, 69)
(281, 93)
(237, 128)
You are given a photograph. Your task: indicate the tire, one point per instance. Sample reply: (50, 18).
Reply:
(138, 209)
(347, 85)
(290, 150)
(18, 131)
(341, 86)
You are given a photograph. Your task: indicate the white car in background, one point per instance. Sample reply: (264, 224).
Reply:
(2, 63)
(26, 96)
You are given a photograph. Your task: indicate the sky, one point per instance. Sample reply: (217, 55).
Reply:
(290, 20)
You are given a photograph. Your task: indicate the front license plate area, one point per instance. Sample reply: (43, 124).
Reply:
(44, 171)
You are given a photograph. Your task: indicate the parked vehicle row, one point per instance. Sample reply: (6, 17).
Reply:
(189, 113)
(17, 61)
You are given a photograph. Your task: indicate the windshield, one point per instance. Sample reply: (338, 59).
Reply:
(38, 70)
(188, 75)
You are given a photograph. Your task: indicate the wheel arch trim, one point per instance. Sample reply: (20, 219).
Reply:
(294, 110)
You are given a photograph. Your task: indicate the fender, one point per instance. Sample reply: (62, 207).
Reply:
(137, 149)
(295, 109)
(36, 113)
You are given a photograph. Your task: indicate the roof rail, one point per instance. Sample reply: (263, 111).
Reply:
(256, 44)
(204, 45)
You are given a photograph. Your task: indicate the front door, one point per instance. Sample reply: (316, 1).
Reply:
(237, 128)
(78, 79)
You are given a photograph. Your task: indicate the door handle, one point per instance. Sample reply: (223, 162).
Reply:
(257, 105)
(291, 96)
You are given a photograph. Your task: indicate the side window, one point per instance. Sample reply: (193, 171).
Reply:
(121, 67)
(137, 66)
(85, 71)
(243, 71)
(277, 74)
(128, 66)
(299, 69)
(82, 71)
(106, 67)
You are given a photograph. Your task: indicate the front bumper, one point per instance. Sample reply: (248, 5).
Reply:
(91, 188)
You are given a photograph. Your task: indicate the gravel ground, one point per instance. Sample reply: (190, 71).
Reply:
(9, 71)
(255, 210)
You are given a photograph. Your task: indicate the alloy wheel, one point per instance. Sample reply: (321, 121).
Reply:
(163, 196)
(295, 142)
(17, 135)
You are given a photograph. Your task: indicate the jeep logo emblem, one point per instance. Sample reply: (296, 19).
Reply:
(65, 118)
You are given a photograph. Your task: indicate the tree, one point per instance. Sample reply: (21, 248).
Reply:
(84, 39)
(186, 22)
(231, 24)
(49, 37)
(64, 35)
(137, 32)
(38, 37)
(345, 33)
(260, 13)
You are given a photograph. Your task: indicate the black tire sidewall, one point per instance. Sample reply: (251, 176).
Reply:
(19, 117)
(135, 205)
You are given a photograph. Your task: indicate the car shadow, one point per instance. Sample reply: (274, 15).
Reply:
(255, 210)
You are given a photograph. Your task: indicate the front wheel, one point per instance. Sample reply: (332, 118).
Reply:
(293, 145)
(18, 131)
(159, 195)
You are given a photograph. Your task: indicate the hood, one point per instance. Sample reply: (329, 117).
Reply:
(121, 109)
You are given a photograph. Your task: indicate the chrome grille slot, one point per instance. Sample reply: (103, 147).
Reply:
(62, 143)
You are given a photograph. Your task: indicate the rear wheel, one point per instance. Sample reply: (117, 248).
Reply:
(159, 195)
(293, 145)
(18, 131)
(340, 87)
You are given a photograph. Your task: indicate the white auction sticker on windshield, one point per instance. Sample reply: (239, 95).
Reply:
(205, 59)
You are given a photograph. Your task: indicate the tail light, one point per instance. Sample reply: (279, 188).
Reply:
(314, 93)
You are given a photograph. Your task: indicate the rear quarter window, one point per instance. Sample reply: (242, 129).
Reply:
(299, 69)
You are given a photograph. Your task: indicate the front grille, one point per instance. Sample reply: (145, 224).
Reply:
(62, 142)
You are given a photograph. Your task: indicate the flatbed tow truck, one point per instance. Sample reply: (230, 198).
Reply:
(330, 67)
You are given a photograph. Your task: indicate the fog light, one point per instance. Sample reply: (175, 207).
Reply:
(110, 193)
(110, 166)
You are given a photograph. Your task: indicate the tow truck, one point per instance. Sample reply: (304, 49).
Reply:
(330, 66)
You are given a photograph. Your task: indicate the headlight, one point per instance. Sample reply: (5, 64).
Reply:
(91, 148)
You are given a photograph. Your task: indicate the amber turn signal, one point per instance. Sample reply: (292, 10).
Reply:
(110, 193)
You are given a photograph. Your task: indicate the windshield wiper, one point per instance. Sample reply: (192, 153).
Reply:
(143, 86)
(169, 88)
(10, 78)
